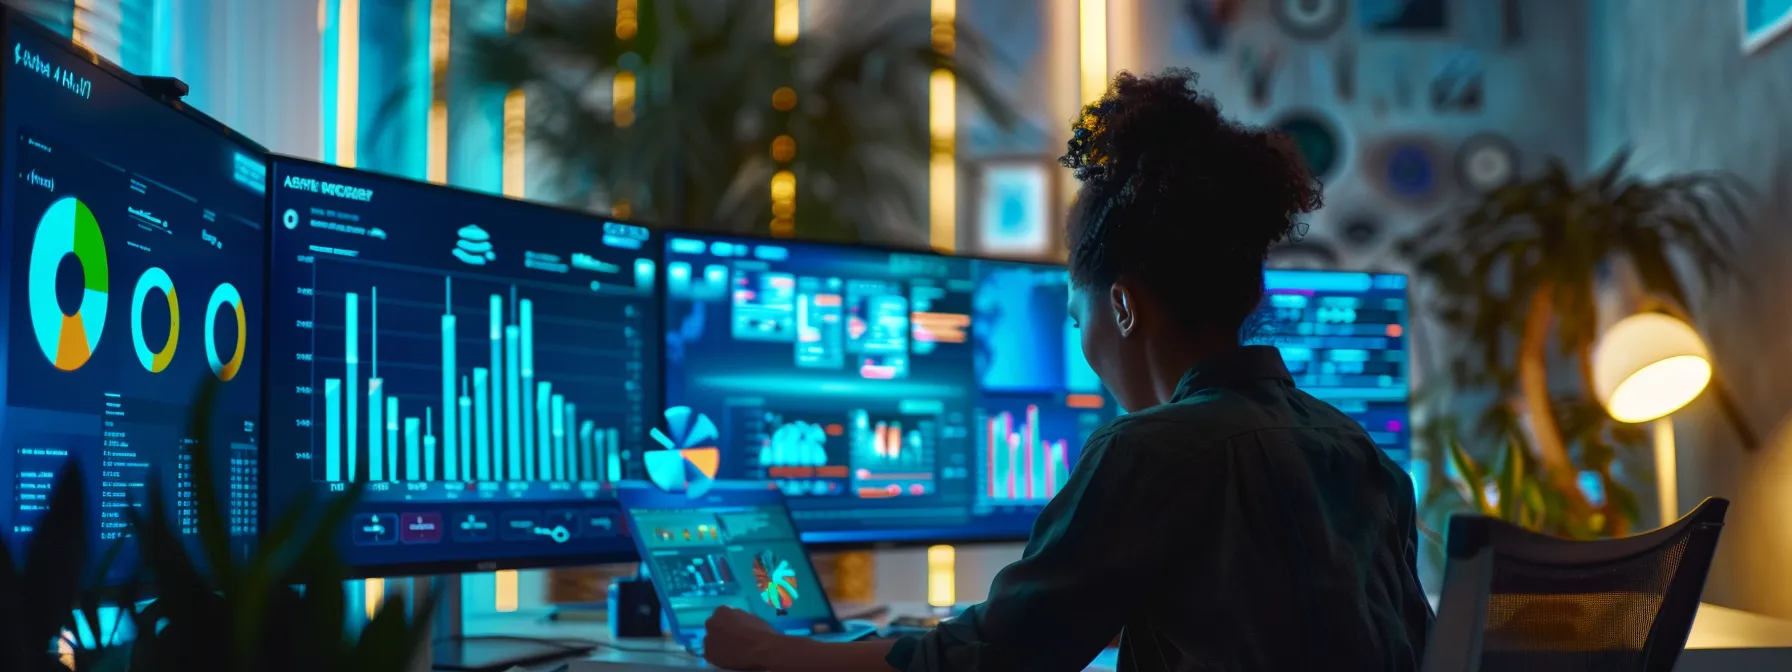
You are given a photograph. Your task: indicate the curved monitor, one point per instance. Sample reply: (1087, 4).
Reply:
(131, 268)
(893, 396)
(484, 365)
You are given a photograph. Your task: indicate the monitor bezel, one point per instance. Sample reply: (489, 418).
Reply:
(13, 19)
(388, 570)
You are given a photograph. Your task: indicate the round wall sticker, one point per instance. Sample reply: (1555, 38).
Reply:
(1407, 169)
(1486, 162)
(1310, 19)
(1317, 139)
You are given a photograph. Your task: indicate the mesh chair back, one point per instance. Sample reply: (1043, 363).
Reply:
(1542, 604)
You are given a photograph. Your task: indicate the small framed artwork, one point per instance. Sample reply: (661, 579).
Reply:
(1014, 212)
(1763, 22)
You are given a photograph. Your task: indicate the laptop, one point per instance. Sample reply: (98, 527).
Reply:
(733, 545)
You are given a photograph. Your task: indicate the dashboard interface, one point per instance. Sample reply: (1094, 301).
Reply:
(891, 395)
(483, 365)
(132, 246)
(735, 546)
(1343, 336)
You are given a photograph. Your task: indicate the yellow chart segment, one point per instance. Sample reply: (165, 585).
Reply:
(225, 294)
(154, 279)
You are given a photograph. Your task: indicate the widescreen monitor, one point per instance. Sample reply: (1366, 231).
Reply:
(1343, 336)
(131, 269)
(484, 366)
(893, 396)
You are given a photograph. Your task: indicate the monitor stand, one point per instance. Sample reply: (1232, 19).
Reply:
(450, 649)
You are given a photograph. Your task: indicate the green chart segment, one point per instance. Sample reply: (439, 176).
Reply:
(68, 227)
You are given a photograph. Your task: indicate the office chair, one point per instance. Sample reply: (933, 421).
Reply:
(1518, 600)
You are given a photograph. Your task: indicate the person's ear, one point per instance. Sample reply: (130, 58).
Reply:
(1125, 308)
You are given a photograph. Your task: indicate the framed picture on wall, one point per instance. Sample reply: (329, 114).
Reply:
(1014, 214)
(1763, 22)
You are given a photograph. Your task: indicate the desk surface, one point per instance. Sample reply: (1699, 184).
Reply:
(1722, 639)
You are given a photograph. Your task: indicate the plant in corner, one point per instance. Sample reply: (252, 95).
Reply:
(1518, 272)
(209, 610)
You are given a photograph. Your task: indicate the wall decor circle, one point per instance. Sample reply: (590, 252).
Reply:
(1310, 19)
(1408, 170)
(1361, 231)
(1486, 162)
(1318, 140)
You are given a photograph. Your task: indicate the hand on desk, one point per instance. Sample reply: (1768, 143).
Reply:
(737, 640)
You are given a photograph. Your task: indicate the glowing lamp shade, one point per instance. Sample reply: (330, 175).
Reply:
(1649, 365)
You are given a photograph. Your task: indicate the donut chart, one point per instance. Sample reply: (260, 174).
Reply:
(68, 228)
(225, 293)
(154, 278)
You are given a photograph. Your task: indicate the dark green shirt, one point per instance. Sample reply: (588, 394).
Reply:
(1245, 525)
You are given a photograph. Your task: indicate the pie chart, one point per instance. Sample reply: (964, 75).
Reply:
(775, 581)
(67, 228)
(690, 459)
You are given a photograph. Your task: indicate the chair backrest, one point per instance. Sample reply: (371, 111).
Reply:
(1518, 600)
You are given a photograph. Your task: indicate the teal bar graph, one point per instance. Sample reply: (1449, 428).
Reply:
(411, 450)
(496, 390)
(332, 423)
(450, 401)
(512, 412)
(392, 437)
(496, 423)
(466, 433)
(352, 359)
(543, 458)
(525, 343)
(482, 423)
(375, 429)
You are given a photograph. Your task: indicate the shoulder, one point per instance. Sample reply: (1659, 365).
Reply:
(1210, 416)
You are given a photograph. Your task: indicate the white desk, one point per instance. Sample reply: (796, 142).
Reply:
(1722, 640)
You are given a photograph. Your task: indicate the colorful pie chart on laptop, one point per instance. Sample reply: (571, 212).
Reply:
(775, 580)
(690, 458)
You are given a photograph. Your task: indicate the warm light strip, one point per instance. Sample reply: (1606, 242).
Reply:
(942, 576)
(516, 107)
(627, 19)
(787, 21)
(622, 98)
(945, 16)
(440, 31)
(783, 192)
(504, 587)
(942, 164)
(1093, 25)
(514, 13)
(373, 595)
(348, 80)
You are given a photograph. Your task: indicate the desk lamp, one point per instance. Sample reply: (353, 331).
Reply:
(1645, 367)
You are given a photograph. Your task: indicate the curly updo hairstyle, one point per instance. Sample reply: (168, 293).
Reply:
(1181, 199)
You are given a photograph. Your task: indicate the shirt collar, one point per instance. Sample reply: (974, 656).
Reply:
(1232, 367)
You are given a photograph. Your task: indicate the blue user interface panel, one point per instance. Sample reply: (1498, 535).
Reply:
(892, 396)
(132, 246)
(483, 365)
(1343, 336)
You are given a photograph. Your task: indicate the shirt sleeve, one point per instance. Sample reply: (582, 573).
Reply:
(1094, 552)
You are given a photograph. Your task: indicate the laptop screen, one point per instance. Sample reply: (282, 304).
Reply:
(733, 546)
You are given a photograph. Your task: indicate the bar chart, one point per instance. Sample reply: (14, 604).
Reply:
(456, 383)
(1020, 465)
(891, 457)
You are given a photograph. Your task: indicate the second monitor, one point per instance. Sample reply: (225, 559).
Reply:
(484, 365)
(893, 396)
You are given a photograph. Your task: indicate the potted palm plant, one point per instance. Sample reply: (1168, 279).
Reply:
(1518, 272)
(719, 106)
(211, 610)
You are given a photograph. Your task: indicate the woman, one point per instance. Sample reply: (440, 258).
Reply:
(1230, 521)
